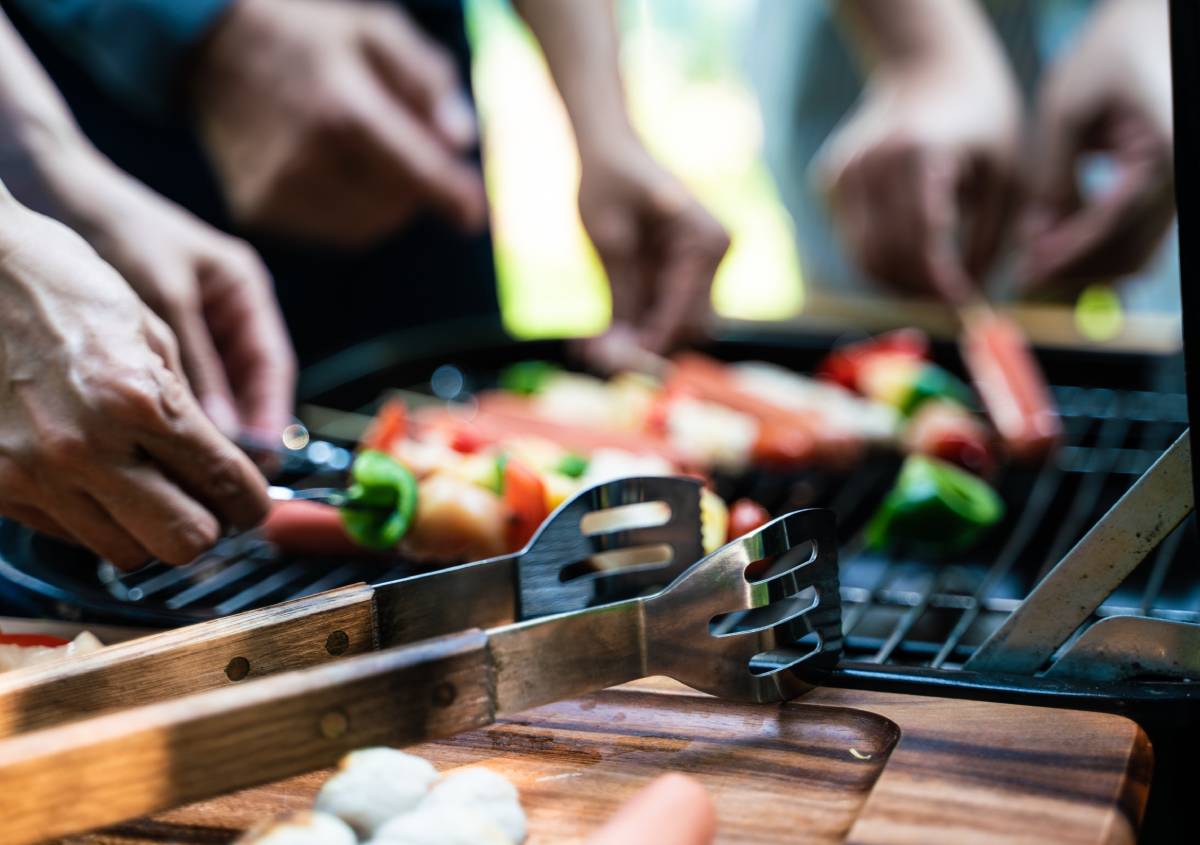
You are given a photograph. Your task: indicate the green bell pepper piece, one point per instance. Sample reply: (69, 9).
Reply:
(934, 505)
(932, 382)
(381, 500)
(572, 465)
(528, 377)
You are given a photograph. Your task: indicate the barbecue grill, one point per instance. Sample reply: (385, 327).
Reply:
(911, 623)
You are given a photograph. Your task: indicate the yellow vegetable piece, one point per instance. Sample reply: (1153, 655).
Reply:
(714, 521)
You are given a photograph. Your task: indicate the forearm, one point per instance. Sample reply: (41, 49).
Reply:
(579, 40)
(912, 35)
(34, 120)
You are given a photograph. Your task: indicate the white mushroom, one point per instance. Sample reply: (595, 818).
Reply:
(448, 824)
(303, 829)
(484, 791)
(374, 785)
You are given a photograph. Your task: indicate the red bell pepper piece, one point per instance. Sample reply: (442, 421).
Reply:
(844, 364)
(525, 497)
(746, 515)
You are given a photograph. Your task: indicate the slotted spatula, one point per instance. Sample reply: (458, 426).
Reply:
(757, 620)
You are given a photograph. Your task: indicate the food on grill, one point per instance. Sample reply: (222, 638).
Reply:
(1011, 384)
(705, 414)
(457, 520)
(373, 786)
(302, 829)
(391, 798)
(934, 505)
(382, 500)
(948, 431)
(745, 515)
(444, 492)
(20, 650)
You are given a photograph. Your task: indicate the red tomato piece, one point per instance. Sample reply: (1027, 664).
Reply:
(466, 441)
(525, 498)
(27, 640)
(844, 364)
(744, 516)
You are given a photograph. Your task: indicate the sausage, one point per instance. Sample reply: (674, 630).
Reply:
(1010, 383)
(797, 437)
(501, 417)
(673, 810)
(309, 528)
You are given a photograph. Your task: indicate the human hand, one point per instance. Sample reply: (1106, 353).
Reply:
(335, 121)
(659, 247)
(922, 176)
(101, 440)
(212, 290)
(1111, 94)
(673, 810)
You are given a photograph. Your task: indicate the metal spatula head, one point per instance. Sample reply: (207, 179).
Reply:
(611, 542)
(757, 620)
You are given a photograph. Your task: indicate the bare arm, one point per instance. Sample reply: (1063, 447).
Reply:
(893, 35)
(659, 246)
(921, 176)
(211, 289)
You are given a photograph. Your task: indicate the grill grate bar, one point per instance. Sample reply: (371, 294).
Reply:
(1112, 434)
(262, 589)
(1044, 490)
(225, 577)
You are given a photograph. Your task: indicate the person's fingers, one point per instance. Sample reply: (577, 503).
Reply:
(96, 529)
(990, 199)
(194, 454)
(423, 74)
(396, 142)
(672, 810)
(36, 519)
(1113, 235)
(251, 338)
(204, 368)
(155, 512)
(684, 276)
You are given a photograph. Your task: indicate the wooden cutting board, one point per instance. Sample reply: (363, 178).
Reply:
(840, 766)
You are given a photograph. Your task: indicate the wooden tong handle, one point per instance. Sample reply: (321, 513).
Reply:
(209, 655)
(92, 773)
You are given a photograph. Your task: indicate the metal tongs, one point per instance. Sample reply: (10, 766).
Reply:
(757, 620)
(1116, 647)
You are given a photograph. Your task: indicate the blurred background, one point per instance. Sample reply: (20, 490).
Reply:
(737, 97)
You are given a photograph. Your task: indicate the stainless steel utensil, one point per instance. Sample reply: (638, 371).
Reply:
(757, 620)
(1150, 510)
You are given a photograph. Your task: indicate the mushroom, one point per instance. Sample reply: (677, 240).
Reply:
(374, 785)
(484, 791)
(441, 824)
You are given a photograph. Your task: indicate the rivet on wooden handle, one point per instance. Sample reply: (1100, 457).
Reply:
(209, 655)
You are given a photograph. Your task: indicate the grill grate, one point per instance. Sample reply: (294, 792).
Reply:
(899, 610)
(907, 612)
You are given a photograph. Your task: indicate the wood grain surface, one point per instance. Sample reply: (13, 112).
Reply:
(841, 766)
(117, 766)
(210, 655)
